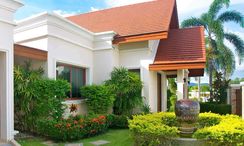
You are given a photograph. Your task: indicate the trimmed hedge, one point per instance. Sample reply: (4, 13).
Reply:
(160, 128)
(152, 129)
(222, 109)
(230, 131)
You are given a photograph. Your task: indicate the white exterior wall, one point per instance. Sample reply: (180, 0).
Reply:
(7, 10)
(68, 53)
(68, 43)
(104, 62)
(140, 55)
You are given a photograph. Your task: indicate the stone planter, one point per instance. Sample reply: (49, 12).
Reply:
(187, 112)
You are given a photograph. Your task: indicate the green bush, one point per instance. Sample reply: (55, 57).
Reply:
(208, 119)
(36, 98)
(151, 129)
(73, 128)
(49, 95)
(230, 131)
(126, 86)
(158, 128)
(220, 86)
(98, 98)
(118, 121)
(222, 109)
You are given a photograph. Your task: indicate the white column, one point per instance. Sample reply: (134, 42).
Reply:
(7, 10)
(186, 72)
(228, 90)
(242, 96)
(180, 84)
(164, 91)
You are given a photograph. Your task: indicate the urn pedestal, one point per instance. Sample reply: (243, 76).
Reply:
(187, 112)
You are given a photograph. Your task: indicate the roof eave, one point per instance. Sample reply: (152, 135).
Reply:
(141, 37)
(176, 66)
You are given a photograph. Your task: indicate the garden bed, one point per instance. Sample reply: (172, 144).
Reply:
(162, 129)
(115, 137)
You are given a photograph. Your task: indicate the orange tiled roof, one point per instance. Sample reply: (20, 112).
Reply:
(136, 19)
(184, 49)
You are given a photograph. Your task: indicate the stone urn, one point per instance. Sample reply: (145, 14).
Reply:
(187, 112)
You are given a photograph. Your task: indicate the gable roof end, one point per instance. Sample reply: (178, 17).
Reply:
(184, 49)
(151, 19)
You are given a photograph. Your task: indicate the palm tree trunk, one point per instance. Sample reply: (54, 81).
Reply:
(211, 67)
(211, 78)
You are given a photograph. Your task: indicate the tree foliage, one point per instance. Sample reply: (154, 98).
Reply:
(219, 57)
(98, 98)
(237, 81)
(127, 88)
(36, 98)
(171, 94)
(220, 86)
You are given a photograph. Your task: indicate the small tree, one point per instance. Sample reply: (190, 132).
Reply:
(126, 86)
(171, 95)
(220, 86)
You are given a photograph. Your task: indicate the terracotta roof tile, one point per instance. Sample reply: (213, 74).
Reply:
(182, 46)
(142, 18)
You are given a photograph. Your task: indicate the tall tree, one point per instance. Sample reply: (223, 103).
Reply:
(219, 56)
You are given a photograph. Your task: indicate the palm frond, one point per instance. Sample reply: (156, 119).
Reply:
(217, 28)
(238, 43)
(216, 6)
(233, 16)
(226, 61)
(192, 22)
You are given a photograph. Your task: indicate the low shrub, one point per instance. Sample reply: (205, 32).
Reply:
(98, 98)
(229, 131)
(118, 121)
(222, 109)
(73, 128)
(156, 129)
(208, 119)
(151, 129)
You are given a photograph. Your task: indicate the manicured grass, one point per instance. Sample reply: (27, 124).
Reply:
(115, 137)
(31, 142)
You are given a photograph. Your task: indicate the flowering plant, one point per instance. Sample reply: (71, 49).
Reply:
(73, 128)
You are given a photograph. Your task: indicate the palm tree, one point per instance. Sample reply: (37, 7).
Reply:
(219, 56)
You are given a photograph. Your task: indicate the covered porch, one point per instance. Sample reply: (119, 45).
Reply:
(36, 57)
(181, 56)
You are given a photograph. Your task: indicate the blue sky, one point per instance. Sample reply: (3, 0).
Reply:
(186, 9)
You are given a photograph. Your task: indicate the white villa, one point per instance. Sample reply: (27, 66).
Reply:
(84, 49)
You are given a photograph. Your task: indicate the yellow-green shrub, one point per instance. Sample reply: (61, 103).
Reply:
(229, 131)
(208, 119)
(152, 129)
(155, 129)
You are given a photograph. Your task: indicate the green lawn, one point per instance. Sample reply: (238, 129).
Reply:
(116, 137)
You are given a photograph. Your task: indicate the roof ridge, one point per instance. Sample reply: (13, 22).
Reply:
(129, 5)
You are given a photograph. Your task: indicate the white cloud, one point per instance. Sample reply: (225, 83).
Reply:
(65, 13)
(193, 8)
(115, 3)
(94, 9)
